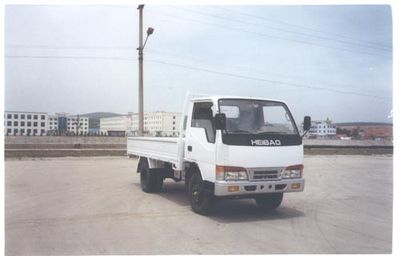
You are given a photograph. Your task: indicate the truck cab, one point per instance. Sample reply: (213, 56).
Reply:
(236, 147)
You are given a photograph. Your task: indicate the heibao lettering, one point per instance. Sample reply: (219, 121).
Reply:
(265, 142)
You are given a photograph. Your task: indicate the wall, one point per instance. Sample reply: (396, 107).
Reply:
(370, 131)
(63, 140)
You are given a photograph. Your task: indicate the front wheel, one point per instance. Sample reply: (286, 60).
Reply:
(269, 201)
(200, 198)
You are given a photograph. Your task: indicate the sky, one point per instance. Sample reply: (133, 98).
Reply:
(324, 61)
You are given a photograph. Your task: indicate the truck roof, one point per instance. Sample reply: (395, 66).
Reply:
(217, 97)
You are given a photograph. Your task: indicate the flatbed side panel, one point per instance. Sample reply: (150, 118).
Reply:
(164, 149)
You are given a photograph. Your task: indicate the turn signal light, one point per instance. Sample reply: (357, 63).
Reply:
(233, 188)
(295, 185)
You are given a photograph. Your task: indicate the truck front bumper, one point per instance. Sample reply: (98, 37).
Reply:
(233, 188)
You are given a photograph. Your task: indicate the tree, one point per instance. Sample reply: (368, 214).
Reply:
(77, 124)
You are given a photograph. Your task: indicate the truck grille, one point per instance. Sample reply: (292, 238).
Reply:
(259, 174)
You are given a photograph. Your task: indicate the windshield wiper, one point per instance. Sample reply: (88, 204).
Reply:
(237, 131)
(283, 133)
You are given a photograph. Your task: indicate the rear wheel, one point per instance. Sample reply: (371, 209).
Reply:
(269, 201)
(200, 198)
(150, 181)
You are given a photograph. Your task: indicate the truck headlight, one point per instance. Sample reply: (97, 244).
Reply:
(230, 173)
(292, 172)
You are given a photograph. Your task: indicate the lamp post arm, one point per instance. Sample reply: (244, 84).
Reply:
(145, 41)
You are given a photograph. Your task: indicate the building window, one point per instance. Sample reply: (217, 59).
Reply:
(9, 116)
(29, 131)
(29, 124)
(22, 131)
(15, 123)
(43, 117)
(42, 131)
(35, 124)
(34, 131)
(22, 116)
(173, 117)
(8, 130)
(173, 128)
(22, 123)
(29, 116)
(35, 117)
(42, 124)
(173, 122)
(15, 116)
(9, 123)
(15, 131)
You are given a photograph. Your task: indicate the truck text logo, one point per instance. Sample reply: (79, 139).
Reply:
(265, 142)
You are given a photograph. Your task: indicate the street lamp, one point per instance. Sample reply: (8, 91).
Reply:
(149, 31)
(140, 52)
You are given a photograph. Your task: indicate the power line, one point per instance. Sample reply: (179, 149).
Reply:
(68, 57)
(205, 70)
(197, 60)
(272, 36)
(69, 47)
(132, 59)
(300, 26)
(266, 80)
(211, 24)
(288, 31)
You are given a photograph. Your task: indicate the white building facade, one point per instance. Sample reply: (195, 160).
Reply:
(25, 123)
(155, 124)
(116, 125)
(69, 123)
(322, 129)
(41, 123)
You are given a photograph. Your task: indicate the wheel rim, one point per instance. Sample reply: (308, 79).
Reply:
(197, 194)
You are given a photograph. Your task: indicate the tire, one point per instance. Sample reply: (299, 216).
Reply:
(200, 199)
(150, 181)
(269, 201)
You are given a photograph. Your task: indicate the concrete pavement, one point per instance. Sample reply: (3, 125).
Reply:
(95, 206)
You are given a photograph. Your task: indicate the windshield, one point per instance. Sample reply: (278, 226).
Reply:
(257, 117)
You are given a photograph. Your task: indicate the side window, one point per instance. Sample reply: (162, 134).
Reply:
(203, 117)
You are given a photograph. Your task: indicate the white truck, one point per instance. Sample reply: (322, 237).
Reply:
(228, 147)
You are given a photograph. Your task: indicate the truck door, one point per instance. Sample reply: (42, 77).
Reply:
(200, 139)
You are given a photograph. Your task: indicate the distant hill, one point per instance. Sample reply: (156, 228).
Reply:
(94, 118)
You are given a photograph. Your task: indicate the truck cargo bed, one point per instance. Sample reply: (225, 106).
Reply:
(158, 148)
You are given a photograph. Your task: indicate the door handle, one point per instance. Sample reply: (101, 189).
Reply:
(190, 148)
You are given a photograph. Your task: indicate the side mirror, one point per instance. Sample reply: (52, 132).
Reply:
(220, 121)
(306, 123)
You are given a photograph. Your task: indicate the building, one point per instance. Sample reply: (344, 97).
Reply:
(41, 123)
(63, 122)
(155, 124)
(25, 123)
(366, 130)
(116, 125)
(322, 129)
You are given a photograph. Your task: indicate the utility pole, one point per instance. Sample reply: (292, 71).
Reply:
(141, 126)
(140, 51)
